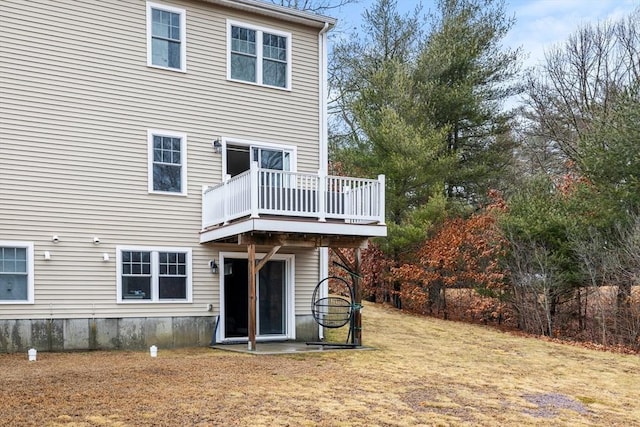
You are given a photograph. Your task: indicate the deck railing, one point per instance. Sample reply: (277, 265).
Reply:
(271, 192)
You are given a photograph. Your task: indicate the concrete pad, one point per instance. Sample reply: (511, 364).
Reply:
(285, 347)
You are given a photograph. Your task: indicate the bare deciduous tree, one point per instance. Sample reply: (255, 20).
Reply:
(533, 278)
(315, 6)
(581, 80)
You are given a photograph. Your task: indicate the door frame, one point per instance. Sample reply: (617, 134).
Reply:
(290, 314)
(258, 144)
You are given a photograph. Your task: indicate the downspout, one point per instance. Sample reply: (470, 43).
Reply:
(324, 146)
(324, 94)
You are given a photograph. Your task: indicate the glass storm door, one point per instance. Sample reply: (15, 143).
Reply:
(272, 302)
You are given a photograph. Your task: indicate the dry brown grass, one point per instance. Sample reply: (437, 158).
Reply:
(423, 372)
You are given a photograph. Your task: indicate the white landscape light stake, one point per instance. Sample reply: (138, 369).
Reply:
(32, 354)
(153, 350)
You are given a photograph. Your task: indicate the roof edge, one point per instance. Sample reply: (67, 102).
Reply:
(276, 11)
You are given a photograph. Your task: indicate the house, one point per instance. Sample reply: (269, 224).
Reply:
(163, 163)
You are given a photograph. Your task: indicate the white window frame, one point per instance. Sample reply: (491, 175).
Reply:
(251, 144)
(30, 270)
(155, 274)
(183, 160)
(259, 58)
(290, 286)
(183, 36)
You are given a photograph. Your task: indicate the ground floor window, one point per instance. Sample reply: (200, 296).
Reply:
(154, 274)
(16, 272)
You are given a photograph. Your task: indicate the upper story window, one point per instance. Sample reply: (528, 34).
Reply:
(167, 162)
(166, 37)
(258, 55)
(16, 272)
(154, 274)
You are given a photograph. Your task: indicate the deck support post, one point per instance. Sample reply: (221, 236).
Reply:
(357, 294)
(254, 269)
(251, 249)
(355, 267)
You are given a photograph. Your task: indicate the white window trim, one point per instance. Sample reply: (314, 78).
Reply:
(258, 144)
(183, 36)
(290, 333)
(259, 31)
(183, 158)
(30, 270)
(154, 274)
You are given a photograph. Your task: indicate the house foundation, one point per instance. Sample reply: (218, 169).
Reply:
(135, 333)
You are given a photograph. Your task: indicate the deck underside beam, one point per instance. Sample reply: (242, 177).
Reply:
(276, 241)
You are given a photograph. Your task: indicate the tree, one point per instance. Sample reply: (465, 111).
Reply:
(378, 132)
(548, 221)
(608, 154)
(315, 6)
(463, 76)
(463, 254)
(424, 111)
(585, 103)
(579, 86)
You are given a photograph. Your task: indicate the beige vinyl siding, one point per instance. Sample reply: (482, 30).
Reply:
(307, 269)
(76, 101)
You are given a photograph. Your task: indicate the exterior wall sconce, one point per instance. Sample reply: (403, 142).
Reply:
(213, 266)
(217, 146)
(47, 255)
(105, 257)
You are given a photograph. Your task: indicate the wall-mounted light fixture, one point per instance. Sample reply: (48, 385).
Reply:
(213, 266)
(47, 255)
(217, 145)
(105, 257)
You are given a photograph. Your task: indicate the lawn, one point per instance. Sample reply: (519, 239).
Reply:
(422, 372)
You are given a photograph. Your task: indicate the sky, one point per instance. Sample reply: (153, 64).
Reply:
(540, 24)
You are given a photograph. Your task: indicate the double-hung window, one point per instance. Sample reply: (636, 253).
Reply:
(167, 162)
(16, 272)
(154, 274)
(259, 55)
(166, 37)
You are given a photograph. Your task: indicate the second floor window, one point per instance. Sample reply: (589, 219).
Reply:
(259, 56)
(167, 162)
(166, 37)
